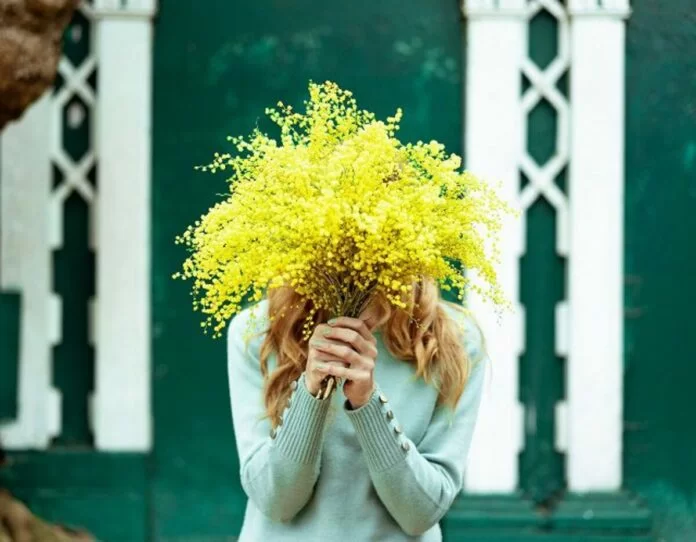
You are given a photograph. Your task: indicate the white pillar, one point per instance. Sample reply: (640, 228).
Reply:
(596, 179)
(121, 406)
(496, 34)
(25, 267)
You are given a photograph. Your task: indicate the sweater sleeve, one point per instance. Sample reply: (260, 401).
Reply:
(417, 484)
(279, 467)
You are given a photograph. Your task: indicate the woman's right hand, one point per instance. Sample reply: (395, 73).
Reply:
(316, 359)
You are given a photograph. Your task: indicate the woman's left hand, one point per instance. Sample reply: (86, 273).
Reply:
(350, 341)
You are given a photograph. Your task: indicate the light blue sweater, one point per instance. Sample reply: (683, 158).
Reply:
(387, 471)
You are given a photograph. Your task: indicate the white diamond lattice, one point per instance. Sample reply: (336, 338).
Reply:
(591, 40)
(74, 172)
(544, 86)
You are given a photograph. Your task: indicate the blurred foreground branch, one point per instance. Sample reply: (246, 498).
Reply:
(31, 33)
(18, 524)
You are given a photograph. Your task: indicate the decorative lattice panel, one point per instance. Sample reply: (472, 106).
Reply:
(545, 113)
(54, 217)
(73, 220)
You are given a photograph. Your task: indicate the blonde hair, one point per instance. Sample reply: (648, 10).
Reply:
(422, 335)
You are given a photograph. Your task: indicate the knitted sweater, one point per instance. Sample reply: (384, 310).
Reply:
(387, 471)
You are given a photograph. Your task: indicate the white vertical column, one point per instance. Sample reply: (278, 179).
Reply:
(121, 406)
(25, 267)
(496, 34)
(595, 357)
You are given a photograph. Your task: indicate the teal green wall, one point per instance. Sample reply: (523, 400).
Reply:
(213, 78)
(105, 493)
(215, 70)
(660, 431)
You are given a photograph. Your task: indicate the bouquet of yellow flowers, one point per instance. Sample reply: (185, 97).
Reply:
(338, 208)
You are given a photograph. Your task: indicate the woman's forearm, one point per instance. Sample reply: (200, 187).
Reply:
(280, 471)
(417, 484)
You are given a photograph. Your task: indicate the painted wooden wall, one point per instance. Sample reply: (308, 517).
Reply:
(214, 71)
(660, 256)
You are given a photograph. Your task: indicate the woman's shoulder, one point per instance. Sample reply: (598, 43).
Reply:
(250, 323)
(472, 335)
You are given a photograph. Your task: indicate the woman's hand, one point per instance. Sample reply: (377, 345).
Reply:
(347, 350)
(317, 359)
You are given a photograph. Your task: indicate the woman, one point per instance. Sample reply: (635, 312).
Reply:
(383, 457)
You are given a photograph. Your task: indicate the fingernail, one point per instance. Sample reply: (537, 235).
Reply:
(332, 321)
(326, 331)
(316, 342)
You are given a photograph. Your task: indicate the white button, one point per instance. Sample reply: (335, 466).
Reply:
(397, 430)
(382, 398)
(390, 415)
(405, 446)
(293, 385)
(273, 433)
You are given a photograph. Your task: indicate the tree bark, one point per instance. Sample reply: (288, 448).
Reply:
(31, 33)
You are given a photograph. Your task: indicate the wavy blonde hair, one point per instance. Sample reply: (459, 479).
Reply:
(434, 347)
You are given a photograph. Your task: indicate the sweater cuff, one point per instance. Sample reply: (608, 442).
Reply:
(378, 432)
(300, 435)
